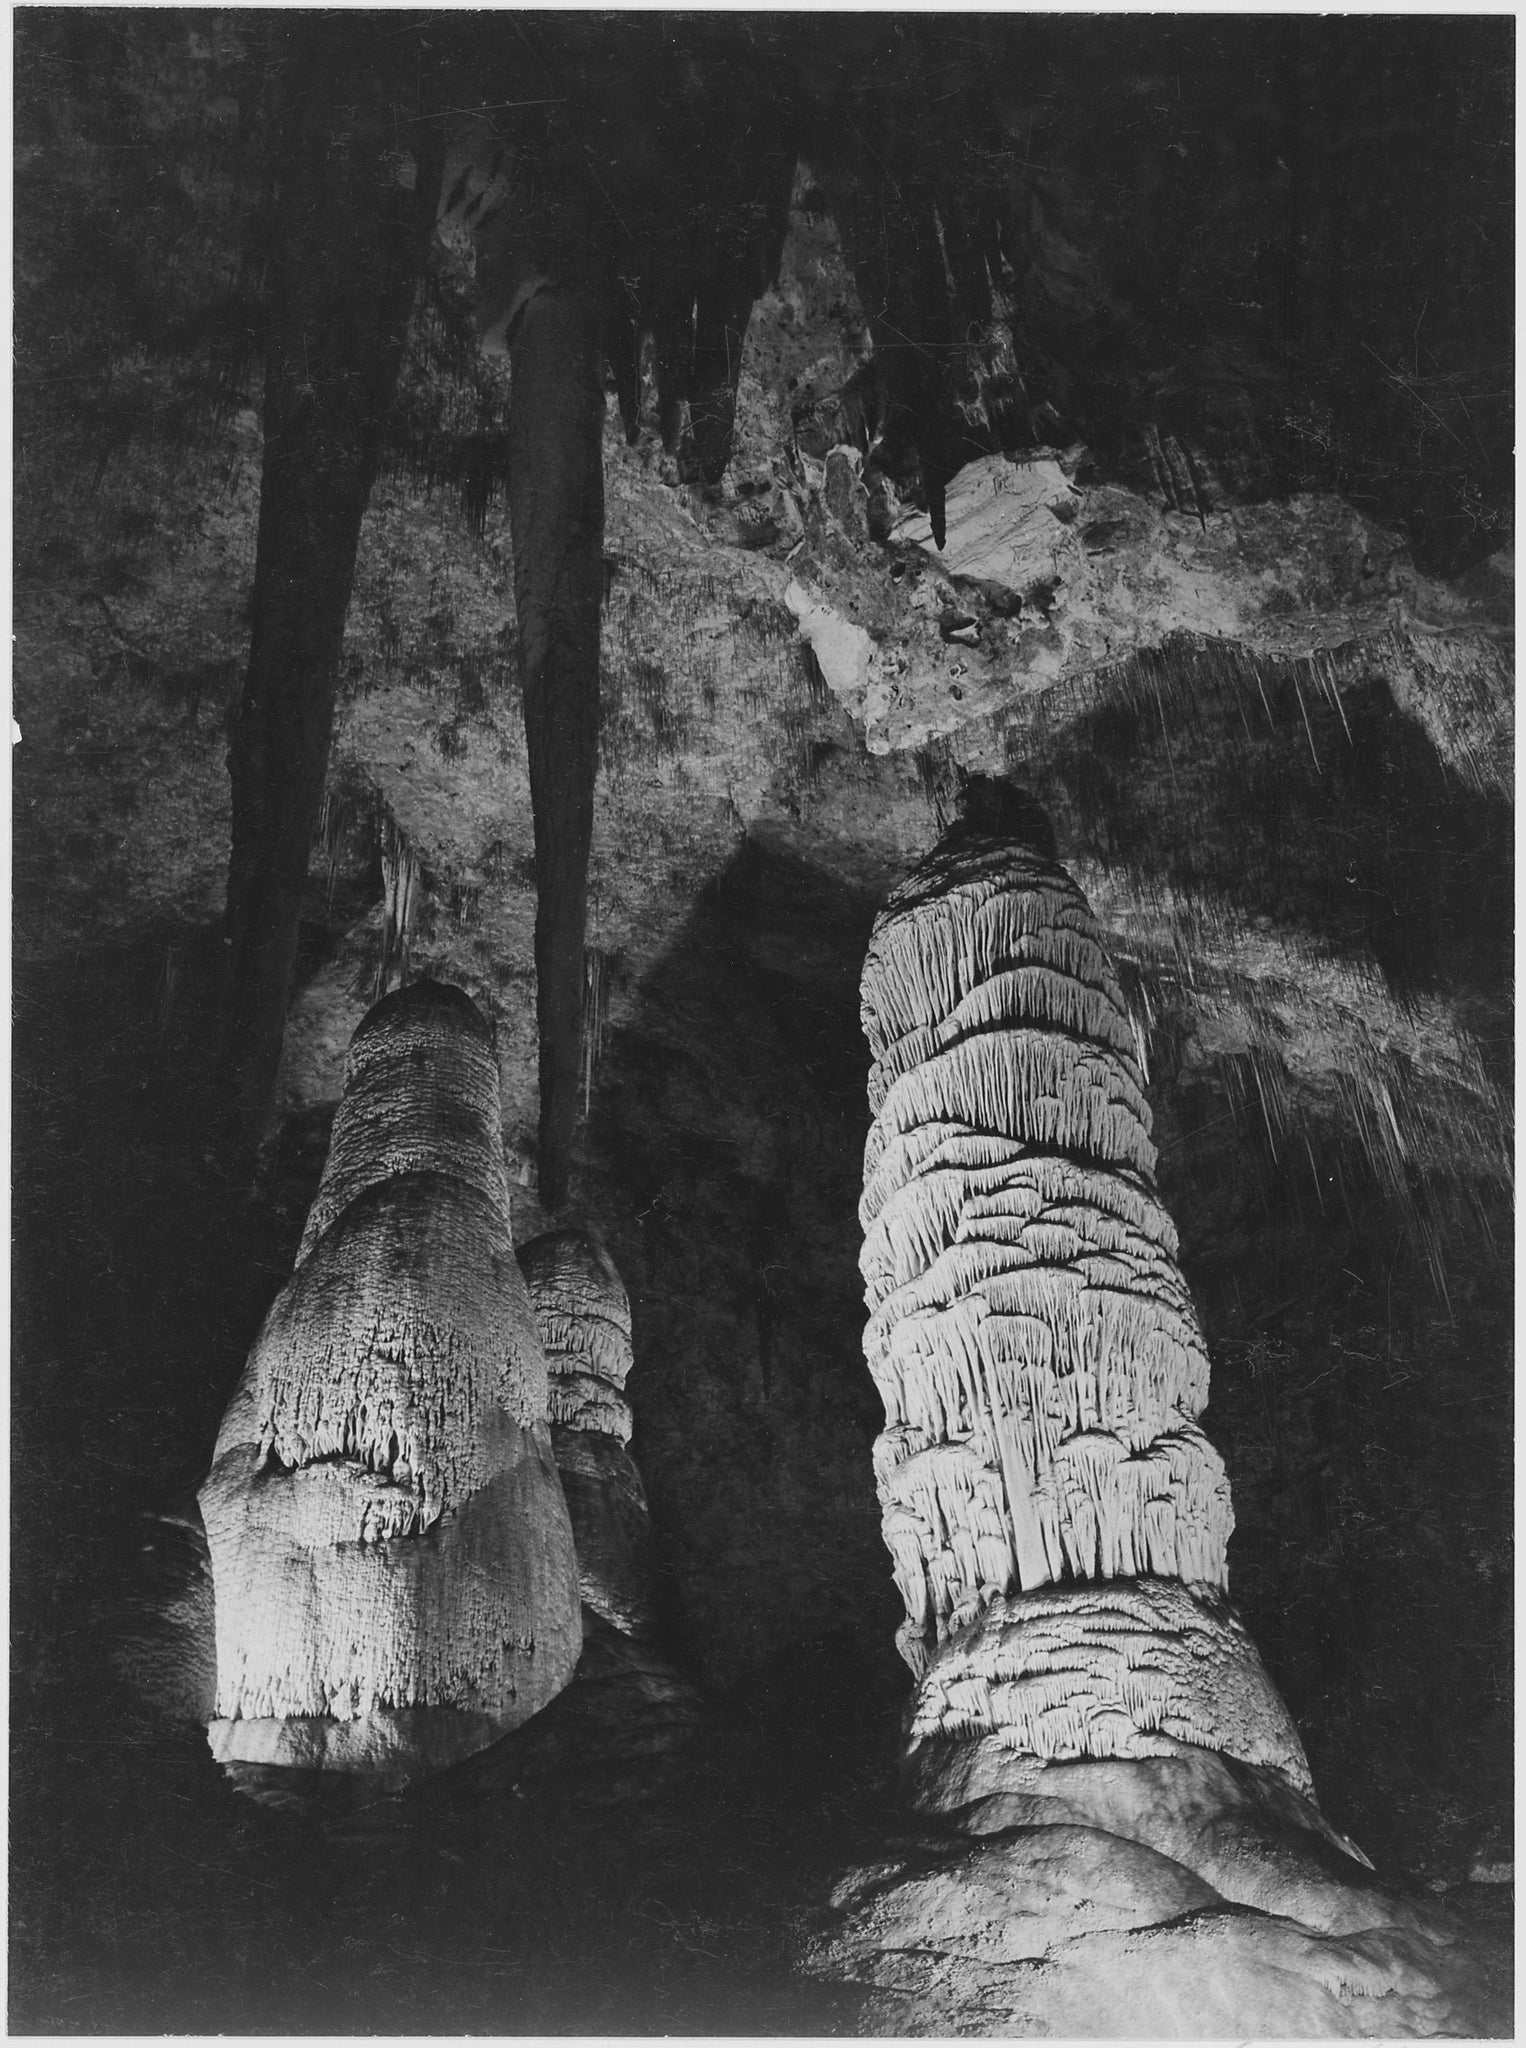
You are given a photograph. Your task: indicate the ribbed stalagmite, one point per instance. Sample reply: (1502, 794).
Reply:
(1030, 1331)
(1110, 1778)
(395, 1581)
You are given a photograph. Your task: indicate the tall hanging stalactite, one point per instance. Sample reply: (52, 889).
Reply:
(997, 322)
(556, 504)
(567, 276)
(359, 166)
(641, 183)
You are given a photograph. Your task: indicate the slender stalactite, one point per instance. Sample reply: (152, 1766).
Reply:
(579, 251)
(556, 505)
(358, 168)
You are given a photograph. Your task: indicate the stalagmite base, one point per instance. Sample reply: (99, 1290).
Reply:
(1109, 1774)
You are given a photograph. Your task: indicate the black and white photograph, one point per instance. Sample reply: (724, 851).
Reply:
(762, 793)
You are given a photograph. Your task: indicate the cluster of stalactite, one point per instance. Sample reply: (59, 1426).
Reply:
(629, 211)
(1034, 1341)
(393, 1567)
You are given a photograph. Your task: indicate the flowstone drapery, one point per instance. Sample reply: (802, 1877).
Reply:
(1109, 1773)
(393, 1567)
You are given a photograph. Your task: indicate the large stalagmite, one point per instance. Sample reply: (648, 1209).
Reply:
(1030, 1331)
(395, 1581)
(1110, 1776)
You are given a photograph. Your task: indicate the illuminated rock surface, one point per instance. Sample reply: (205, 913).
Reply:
(391, 1556)
(1031, 1334)
(1130, 1844)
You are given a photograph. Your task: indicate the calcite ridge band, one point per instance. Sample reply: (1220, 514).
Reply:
(1126, 1668)
(421, 1095)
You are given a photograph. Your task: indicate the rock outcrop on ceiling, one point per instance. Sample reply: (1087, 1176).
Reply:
(1203, 541)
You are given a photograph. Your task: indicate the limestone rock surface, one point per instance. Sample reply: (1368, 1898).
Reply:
(1209, 1973)
(1053, 579)
(1077, 1921)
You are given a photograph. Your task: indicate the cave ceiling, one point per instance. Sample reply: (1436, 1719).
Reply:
(1117, 405)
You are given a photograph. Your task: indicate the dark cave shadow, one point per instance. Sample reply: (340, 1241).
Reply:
(1356, 1405)
(723, 1161)
(146, 1894)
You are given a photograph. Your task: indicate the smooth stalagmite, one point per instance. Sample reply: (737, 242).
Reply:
(1108, 1775)
(392, 1559)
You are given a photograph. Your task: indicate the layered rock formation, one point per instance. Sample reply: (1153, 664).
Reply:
(392, 1560)
(1089, 1711)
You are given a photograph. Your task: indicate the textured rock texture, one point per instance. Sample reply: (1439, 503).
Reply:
(391, 1556)
(1031, 1333)
(584, 1318)
(1064, 1930)
(1124, 1667)
(1047, 580)
(1141, 1853)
